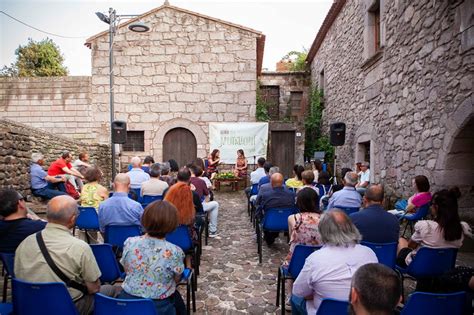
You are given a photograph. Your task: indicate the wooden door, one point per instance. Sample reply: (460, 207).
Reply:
(179, 144)
(282, 146)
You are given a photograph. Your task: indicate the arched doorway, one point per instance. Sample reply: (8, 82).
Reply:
(179, 144)
(459, 169)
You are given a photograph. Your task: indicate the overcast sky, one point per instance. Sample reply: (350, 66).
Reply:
(287, 25)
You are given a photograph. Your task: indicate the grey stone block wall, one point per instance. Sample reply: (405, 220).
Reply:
(413, 100)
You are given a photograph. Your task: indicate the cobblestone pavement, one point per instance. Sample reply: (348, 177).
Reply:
(231, 280)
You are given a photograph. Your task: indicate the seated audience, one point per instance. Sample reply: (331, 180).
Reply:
(119, 209)
(265, 186)
(327, 273)
(15, 225)
(364, 179)
(63, 166)
(277, 197)
(374, 223)
(348, 197)
(422, 196)
(240, 169)
(163, 261)
(93, 193)
(165, 174)
(324, 184)
(317, 168)
(147, 162)
(308, 178)
(42, 184)
(303, 226)
(265, 179)
(82, 163)
(136, 174)
(297, 180)
(445, 231)
(154, 186)
(259, 172)
(211, 207)
(73, 256)
(340, 183)
(174, 167)
(376, 289)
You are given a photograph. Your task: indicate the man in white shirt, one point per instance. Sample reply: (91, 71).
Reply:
(154, 186)
(259, 172)
(327, 273)
(364, 180)
(136, 174)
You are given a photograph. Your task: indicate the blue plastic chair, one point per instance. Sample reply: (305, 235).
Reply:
(333, 307)
(187, 279)
(117, 234)
(146, 200)
(107, 262)
(435, 303)
(386, 252)
(29, 298)
(274, 220)
(8, 260)
(87, 220)
(6, 308)
(300, 253)
(253, 192)
(181, 238)
(105, 305)
(429, 262)
(348, 210)
(412, 218)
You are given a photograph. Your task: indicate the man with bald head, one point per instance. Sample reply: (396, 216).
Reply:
(119, 209)
(137, 174)
(374, 223)
(277, 197)
(73, 257)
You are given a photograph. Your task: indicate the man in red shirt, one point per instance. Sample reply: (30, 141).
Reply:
(63, 166)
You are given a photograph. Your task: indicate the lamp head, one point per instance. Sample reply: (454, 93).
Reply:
(139, 27)
(104, 18)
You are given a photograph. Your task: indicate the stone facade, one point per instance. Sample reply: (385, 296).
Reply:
(409, 103)
(290, 118)
(56, 104)
(18, 142)
(187, 71)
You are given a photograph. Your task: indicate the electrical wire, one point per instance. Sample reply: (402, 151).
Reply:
(35, 28)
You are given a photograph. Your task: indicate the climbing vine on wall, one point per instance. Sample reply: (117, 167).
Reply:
(314, 139)
(262, 106)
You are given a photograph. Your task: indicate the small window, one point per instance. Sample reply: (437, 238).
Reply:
(374, 22)
(295, 102)
(322, 83)
(135, 141)
(271, 96)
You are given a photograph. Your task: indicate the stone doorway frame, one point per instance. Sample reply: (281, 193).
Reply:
(195, 129)
(365, 134)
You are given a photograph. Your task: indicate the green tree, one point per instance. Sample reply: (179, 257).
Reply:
(298, 59)
(37, 59)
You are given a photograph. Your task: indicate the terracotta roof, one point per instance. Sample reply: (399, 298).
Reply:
(260, 38)
(328, 21)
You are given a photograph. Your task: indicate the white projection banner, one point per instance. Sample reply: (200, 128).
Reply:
(228, 138)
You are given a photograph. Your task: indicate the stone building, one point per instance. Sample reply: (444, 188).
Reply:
(400, 75)
(171, 82)
(286, 94)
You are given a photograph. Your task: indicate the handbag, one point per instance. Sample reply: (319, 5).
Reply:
(71, 190)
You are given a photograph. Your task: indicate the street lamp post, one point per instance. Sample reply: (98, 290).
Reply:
(138, 27)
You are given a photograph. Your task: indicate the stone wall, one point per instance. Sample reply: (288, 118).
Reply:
(18, 142)
(411, 102)
(187, 71)
(59, 104)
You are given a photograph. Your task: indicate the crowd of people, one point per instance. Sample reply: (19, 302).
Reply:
(341, 269)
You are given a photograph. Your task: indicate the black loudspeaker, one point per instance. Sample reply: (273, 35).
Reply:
(119, 132)
(337, 134)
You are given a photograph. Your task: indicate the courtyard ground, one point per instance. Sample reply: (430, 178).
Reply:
(231, 280)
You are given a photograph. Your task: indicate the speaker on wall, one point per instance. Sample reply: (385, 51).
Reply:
(337, 134)
(119, 131)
